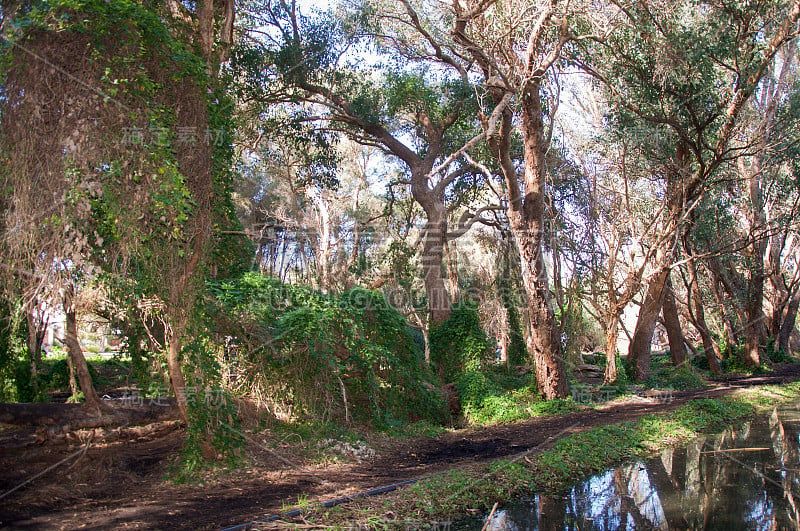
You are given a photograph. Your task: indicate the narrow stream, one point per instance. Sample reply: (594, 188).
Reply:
(745, 478)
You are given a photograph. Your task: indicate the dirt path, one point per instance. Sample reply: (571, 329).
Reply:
(120, 485)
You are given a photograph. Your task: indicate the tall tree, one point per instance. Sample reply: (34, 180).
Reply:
(114, 150)
(516, 47)
(421, 113)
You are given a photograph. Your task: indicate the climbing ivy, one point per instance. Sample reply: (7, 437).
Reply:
(138, 165)
(459, 345)
(348, 357)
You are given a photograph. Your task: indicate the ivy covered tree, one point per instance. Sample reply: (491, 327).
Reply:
(116, 154)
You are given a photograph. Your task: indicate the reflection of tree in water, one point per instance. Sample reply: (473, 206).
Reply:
(783, 480)
(595, 497)
(667, 478)
(744, 478)
(638, 500)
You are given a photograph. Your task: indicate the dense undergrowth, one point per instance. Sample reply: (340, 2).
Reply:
(349, 357)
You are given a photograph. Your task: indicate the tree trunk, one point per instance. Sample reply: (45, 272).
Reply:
(697, 311)
(74, 389)
(754, 312)
(324, 248)
(526, 218)
(611, 347)
(53, 420)
(669, 310)
(432, 264)
(789, 322)
(542, 337)
(641, 344)
(452, 270)
(176, 377)
(36, 332)
(75, 352)
(731, 337)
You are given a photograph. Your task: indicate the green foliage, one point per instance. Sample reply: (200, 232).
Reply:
(776, 355)
(12, 350)
(733, 361)
(23, 383)
(581, 331)
(459, 345)
(664, 375)
(492, 396)
(473, 388)
(508, 289)
(328, 357)
(709, 415)
(52, 376)
(516, 406)
(214, 437)
(769, 396)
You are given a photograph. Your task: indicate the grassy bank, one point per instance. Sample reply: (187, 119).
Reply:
(570, 459)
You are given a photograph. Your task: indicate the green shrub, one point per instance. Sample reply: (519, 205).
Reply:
(492, 396)
(350, 356)
(12, 349)
(734, 362)
(667, 376)
(459, 345)
(776, 355)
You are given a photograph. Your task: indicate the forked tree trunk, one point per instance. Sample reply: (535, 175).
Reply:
(669, 311)
(75, 352)
(526, 195)
(641, 345)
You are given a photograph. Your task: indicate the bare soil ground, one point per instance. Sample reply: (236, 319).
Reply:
(116, 479)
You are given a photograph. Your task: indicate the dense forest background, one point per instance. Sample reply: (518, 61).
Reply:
(388, 213)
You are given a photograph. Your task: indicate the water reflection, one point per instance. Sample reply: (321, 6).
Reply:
(744, 478)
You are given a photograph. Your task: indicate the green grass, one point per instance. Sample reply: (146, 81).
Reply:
(515, 406)
(420, 429)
